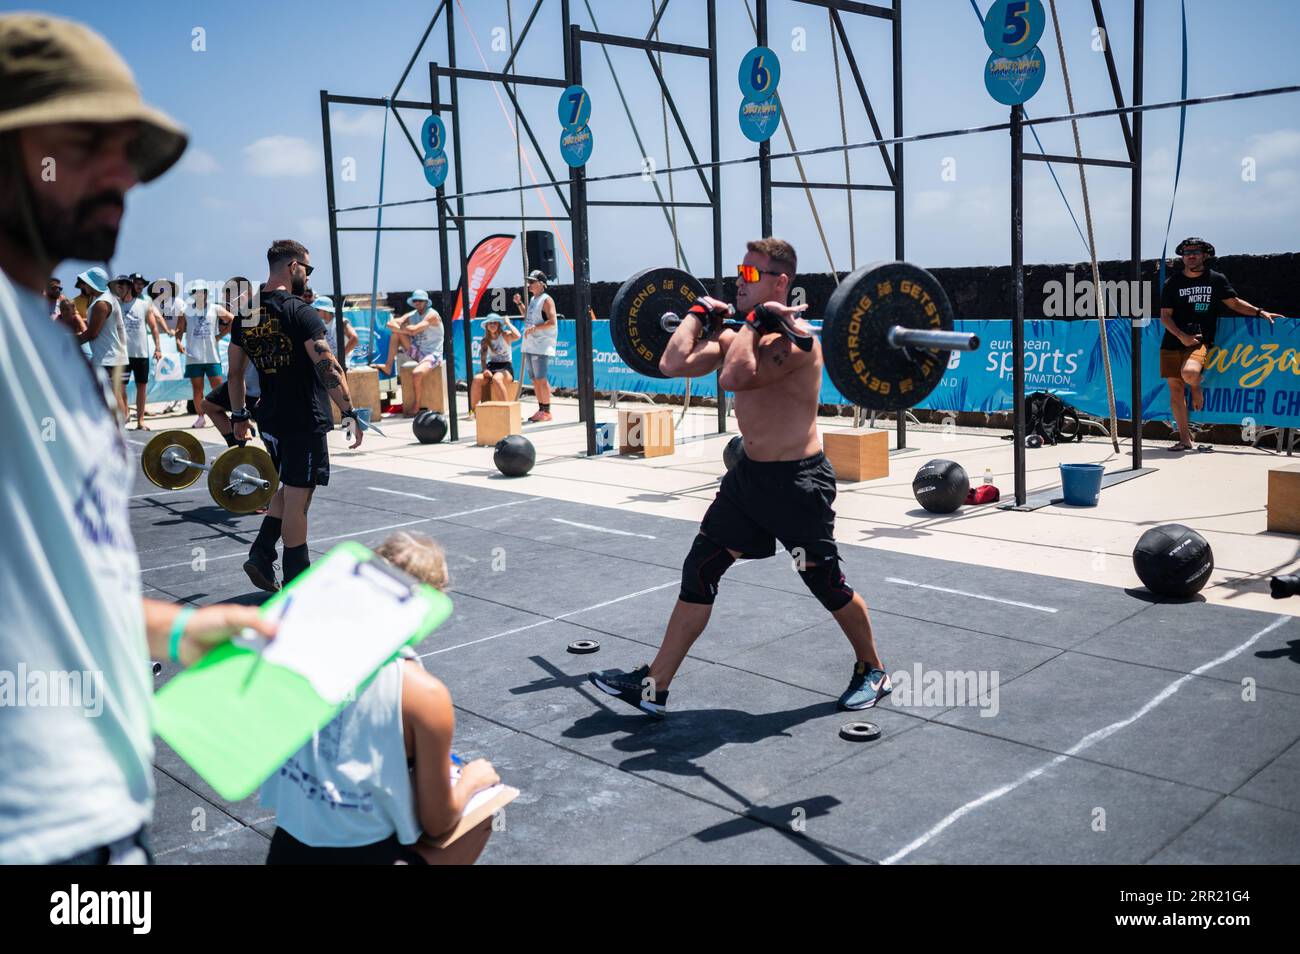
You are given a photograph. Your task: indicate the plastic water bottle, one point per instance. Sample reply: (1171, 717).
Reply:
(988, 476)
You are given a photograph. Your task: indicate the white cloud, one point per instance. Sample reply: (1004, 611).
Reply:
(1276, 146)
(363, 121)
(199, 162)
(281, 156)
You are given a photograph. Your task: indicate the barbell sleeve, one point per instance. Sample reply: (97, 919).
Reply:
(238, 478)
(900, 337)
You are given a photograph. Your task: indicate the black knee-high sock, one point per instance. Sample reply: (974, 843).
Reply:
(295, 561)
(268, 536)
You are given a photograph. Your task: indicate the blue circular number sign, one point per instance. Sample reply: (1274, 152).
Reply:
(435, 168)
(574, 108)
(1014, 27)
(1012, 81)
(433, 135)
(760, 72)
(576, 145)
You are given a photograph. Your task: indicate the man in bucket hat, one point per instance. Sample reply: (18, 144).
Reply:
(77, 782)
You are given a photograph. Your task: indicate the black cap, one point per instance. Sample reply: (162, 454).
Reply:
(120, 278)
(137, 277)
(1193, 240)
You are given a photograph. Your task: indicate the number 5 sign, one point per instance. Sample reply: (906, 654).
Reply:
(1014, 27)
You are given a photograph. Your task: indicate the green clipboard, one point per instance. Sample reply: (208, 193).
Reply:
(235, 718)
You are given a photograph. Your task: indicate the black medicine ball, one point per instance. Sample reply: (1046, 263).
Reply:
(1173, 560)
(429, 427)
(734, 452)
(514, 455)
(941, 486)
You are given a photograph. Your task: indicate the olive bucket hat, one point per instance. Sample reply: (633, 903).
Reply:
(53, 70)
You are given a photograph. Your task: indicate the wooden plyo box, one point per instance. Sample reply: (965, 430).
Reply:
(1284, 499)
(857, 455)
(434, 397)
(494, 420)
(648, 432)
(363, 385)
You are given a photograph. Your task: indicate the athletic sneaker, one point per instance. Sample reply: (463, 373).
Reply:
(540, 417)
(866, 688)
(261, 571)
(628, 686)
(199, 421)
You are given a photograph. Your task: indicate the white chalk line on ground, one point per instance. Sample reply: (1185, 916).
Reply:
(400, 493)
(588, 526)
(1087, 742)
(974, 596)
(552, 619)
(356, 533)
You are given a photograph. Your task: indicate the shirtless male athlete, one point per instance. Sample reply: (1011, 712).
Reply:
(782, 488)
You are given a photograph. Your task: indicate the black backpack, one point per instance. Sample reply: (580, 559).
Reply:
(1051, 418)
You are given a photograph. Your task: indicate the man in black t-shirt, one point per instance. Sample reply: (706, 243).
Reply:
(1190, 305)
(299, 375)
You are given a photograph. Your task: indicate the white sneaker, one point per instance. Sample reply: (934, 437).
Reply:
(199, 421)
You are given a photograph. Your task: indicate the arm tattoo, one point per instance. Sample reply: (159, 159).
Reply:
(327, 369)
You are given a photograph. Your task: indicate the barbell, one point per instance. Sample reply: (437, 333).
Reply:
(886, 335)
(241, 479)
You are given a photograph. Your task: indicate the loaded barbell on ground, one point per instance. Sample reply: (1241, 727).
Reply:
(886, 335)
(241, 479)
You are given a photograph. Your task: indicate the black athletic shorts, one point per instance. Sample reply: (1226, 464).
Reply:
(761, 502)
(220, 396)
(137, 368)
(288, 850)
(302, 460)
(495, 366)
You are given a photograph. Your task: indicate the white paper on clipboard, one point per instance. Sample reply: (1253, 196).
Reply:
(338, 626)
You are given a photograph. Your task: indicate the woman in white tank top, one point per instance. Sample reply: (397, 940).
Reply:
(197, 331)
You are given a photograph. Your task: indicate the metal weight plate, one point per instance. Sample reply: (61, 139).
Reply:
(245, 498)
(639, 305)
(159, 465)
(583, 647)
(861, 363)
(859, 731)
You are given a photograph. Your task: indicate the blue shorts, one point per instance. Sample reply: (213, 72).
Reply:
(537, 365)
(202, 370)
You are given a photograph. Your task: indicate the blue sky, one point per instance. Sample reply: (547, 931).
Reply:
(253, 172)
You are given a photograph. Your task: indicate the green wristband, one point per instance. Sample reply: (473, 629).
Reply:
(178, 630)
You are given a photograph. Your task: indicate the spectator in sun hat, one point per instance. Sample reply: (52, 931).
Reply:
(77, 779)
(325, 308)
(105, 331)
(417, 334)
(541, 334)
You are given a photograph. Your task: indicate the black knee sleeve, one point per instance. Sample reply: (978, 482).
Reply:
(826, 581)
(702, 570)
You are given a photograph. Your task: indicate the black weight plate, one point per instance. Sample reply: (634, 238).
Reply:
(583, 647)
(865, 368)
(859, 731)
(639, 304)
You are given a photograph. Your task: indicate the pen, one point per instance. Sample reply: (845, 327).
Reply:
(257, 663)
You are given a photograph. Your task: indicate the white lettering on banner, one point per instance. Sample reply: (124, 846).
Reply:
(475, 283)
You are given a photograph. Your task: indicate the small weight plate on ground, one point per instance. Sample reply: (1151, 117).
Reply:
(862, 364)
(583, 647)
(859, 731)
(156, 461)
(635, 318)
(234, 462)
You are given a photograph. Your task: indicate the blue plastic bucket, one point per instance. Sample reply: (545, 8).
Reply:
(1081, 484)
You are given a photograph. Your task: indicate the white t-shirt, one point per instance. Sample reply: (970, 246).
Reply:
(429, 341)
(539, 342)
(108, 348)
(172, 312)
(201, 329)
(136, 320)
(71, 776)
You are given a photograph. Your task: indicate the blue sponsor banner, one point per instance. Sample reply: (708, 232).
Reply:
(1253, 373)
